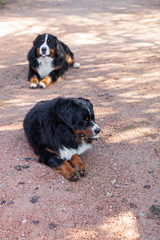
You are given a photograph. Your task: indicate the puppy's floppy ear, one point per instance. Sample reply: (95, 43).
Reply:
(35, 40)
(32, 54)
(66, 113)
(34, 43)
(59, 48)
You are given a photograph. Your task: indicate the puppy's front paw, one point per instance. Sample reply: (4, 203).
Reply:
(42, 84)
(77, 164)
(68, 172)
(33, 85)
(45, 82)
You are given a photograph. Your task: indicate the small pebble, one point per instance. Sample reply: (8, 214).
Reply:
(113, 181)
(68, 189)
(109, 194)
(155, 210)
(132, 205)
(99, 208)
(3, 202)
(34, 199)
(52, 225)
(18, 168)
(147, 186)
(35, 222)
(142, 214)
(157, 151)
(25, 166)
(19, 183)
(124, 200)
(102, 95)
(24, 221)
(151, 171)
(117, 185)
(28, 159)
(63, 209)
(10, 202)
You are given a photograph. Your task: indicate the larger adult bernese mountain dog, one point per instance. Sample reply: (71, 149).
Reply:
(48, 59)
(59, 130)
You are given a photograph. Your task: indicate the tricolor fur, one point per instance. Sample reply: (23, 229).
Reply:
(48, 59)
(59, 131)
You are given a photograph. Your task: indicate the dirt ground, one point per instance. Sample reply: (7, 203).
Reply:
(117, 44)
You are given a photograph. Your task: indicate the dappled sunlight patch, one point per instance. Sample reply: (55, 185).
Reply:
(12, 126)
(122, 227)
(133, 100)
(87, 38)
(131, 133)
(152, 110)
(21, 63)
(104, 112)
(18, 26)
(3, 66)
(80, 234)
(19, 102)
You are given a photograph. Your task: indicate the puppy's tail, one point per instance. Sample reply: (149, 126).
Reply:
(76, 65)
(70, 60)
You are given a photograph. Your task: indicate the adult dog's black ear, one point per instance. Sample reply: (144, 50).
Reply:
(66, 113)
(87, 103)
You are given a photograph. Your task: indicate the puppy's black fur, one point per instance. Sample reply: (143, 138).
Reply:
(48, 59)
(59, 130)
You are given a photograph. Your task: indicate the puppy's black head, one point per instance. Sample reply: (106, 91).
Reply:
(46, 45)
(78, 114)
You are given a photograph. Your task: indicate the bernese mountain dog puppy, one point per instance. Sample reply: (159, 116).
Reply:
(59, 130)
(48, 59)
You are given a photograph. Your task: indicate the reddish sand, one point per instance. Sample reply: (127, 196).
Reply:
(117, 44)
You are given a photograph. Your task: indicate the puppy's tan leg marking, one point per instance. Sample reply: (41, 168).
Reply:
(45, 82)
(33, 82)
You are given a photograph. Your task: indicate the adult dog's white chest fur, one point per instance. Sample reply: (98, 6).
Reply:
(45, 66)
(67, 153)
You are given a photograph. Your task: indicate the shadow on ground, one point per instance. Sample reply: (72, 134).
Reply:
(118, 49)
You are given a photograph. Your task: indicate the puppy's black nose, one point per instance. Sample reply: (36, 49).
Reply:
(97, 130)
(44, 49)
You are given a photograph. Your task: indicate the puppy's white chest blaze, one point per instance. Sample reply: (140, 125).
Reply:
(45, 66)
(67, 153)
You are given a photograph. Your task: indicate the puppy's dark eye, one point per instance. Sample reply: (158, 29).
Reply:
(48, 41)
(42, 40)
(87, 119)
